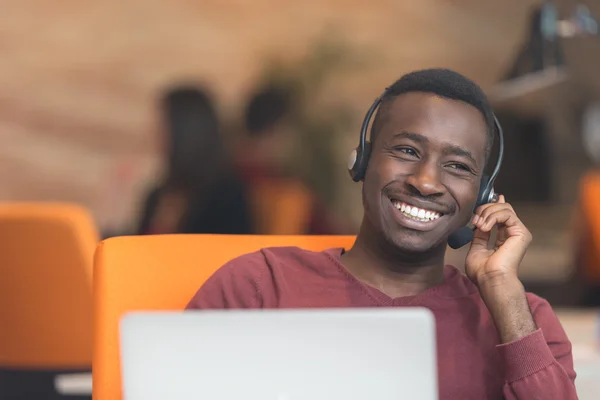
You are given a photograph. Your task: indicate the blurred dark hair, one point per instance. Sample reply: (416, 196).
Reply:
(196, 149)
(181, 101)
(267, 107)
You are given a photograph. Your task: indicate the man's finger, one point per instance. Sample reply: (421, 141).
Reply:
(500, 203)
(506, 217)
(480, 240)
(483, 215)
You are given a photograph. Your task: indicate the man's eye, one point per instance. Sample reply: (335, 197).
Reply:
(407, 150)
(460, 167)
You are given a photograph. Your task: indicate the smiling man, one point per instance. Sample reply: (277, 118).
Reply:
(430, 142)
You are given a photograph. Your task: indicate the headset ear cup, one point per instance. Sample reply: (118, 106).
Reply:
(362, 161)
(352, 162)
(367, 156)
(484, 191)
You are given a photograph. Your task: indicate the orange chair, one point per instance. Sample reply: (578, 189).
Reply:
(163, 272)
(46, 261)
(589, 202)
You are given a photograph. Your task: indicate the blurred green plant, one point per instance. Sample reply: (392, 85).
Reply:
(319, 125)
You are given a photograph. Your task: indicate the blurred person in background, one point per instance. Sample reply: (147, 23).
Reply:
(282, 203)
(586, 228)
(200, 193)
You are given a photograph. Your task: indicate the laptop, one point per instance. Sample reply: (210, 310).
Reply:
(308, 354)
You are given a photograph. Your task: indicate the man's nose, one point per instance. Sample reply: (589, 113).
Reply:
(426, 180)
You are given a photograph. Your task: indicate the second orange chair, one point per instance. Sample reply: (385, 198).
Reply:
(46, 254)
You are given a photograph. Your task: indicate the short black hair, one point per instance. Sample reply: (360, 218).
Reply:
(444, 83)
(267, 107)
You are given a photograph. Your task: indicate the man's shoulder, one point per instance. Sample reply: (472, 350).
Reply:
(250, 280)
(272, 257)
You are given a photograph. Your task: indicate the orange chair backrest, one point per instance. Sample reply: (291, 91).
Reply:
(590, 203)
(163, 272)
(46, 260)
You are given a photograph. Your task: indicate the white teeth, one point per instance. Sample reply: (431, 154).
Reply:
(415, 212)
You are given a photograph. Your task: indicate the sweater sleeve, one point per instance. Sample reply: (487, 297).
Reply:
(233, 286)
(539, 365)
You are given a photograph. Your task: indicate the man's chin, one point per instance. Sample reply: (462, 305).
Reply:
(415, 244)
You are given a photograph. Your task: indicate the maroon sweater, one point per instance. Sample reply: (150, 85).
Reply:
(472, 363)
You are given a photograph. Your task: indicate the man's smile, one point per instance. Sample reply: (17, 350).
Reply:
(414, 217)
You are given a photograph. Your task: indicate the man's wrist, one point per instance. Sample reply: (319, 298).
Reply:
(502, 291)
(494, 279)
(506, 299)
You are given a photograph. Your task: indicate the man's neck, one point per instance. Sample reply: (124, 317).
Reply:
(392, 272)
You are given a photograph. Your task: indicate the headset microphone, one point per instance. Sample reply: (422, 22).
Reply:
(461, 237)
(359, 158)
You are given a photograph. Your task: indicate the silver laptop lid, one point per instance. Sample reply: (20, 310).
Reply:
(324, 354)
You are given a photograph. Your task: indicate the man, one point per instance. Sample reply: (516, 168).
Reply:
(430, 141)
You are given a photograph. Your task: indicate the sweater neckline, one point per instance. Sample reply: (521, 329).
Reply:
(455, 285)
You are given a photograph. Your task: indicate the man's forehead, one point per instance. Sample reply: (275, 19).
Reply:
(435, 117)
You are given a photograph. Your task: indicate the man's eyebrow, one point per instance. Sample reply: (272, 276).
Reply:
(452, 149)
(416, 137)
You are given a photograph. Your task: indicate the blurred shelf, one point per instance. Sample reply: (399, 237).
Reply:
(583, 57)
(528, 95)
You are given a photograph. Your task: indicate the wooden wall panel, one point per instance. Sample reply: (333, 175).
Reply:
(78, 79)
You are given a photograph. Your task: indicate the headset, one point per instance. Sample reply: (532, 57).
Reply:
(359, 159)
